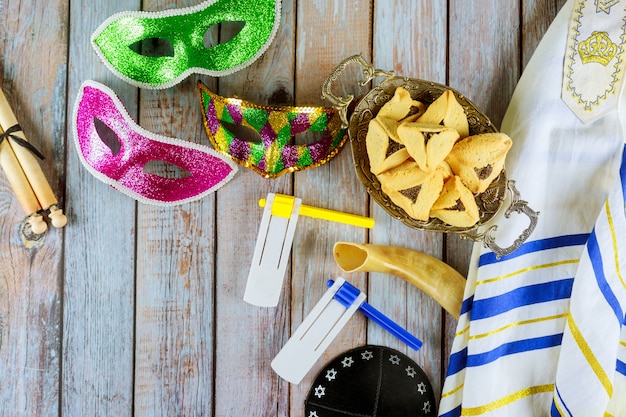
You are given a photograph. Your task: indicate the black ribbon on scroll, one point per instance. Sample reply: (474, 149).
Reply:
(9, 133)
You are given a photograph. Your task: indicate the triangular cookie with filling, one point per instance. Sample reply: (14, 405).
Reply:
(445, 169)
(383, 152)
(390, 126)
(427, 144)
(398, 106)
(402, 107)
(412, 189)
(456, 205)
(479, 159)
(447, 111)
(417, 110)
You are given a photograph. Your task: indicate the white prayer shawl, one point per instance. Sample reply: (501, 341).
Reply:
(542, 330)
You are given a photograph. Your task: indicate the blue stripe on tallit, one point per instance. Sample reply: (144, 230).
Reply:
(467, 305)
(558, 394)
(452, 413)
(457, 362)
(519, 346)
(553, 411)
(620, 367)
(536, 246)
(519, 297)
(596, 262)
(622, 172)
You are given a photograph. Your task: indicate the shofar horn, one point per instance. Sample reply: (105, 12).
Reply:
(436, 278)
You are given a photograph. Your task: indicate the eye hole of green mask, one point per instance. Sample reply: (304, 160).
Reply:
(160, 47)
(227, 32)
(153, 47)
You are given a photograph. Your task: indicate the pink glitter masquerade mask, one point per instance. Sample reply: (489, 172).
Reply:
(272, 155)
(98, 111)
(184, 29)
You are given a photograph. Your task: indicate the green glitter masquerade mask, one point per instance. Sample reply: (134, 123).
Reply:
(184, 29)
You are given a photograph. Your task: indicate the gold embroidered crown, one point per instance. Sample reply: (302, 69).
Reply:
(597, 48)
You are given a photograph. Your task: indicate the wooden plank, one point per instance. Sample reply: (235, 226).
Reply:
(536, 18)
(484, 52)
(484, 66)
(30, 281)
(175, 271)
(248, 337)
(174, 329)
(323, 28)
(174, 293)
(417, 49)
(99, 289)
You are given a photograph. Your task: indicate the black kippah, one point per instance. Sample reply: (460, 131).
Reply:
(371, 381)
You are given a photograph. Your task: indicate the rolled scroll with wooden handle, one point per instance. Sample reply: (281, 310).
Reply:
(21, 187)
(30, 166)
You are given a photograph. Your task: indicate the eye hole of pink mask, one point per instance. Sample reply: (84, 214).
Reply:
(122, 154)
(107, 136)
(165, 169)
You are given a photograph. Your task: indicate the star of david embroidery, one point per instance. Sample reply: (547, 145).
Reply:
(394, 359)
(421, 387)
(331, 374)
(605, 5)
(313, 414)
(426, 407)
(347, 361)
(320, 391)
(410, 371)
(367, 355)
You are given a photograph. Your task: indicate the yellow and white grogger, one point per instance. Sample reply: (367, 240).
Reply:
(274, 241)
(320, 327)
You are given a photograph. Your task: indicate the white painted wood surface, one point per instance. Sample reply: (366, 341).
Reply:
(137, 310)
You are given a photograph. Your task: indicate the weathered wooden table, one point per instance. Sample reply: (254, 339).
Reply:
(137, 310)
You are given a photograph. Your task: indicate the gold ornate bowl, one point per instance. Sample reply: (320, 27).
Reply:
(489, 202)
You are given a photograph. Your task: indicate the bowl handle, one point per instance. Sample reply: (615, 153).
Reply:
(517, 205)
(340, 103)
